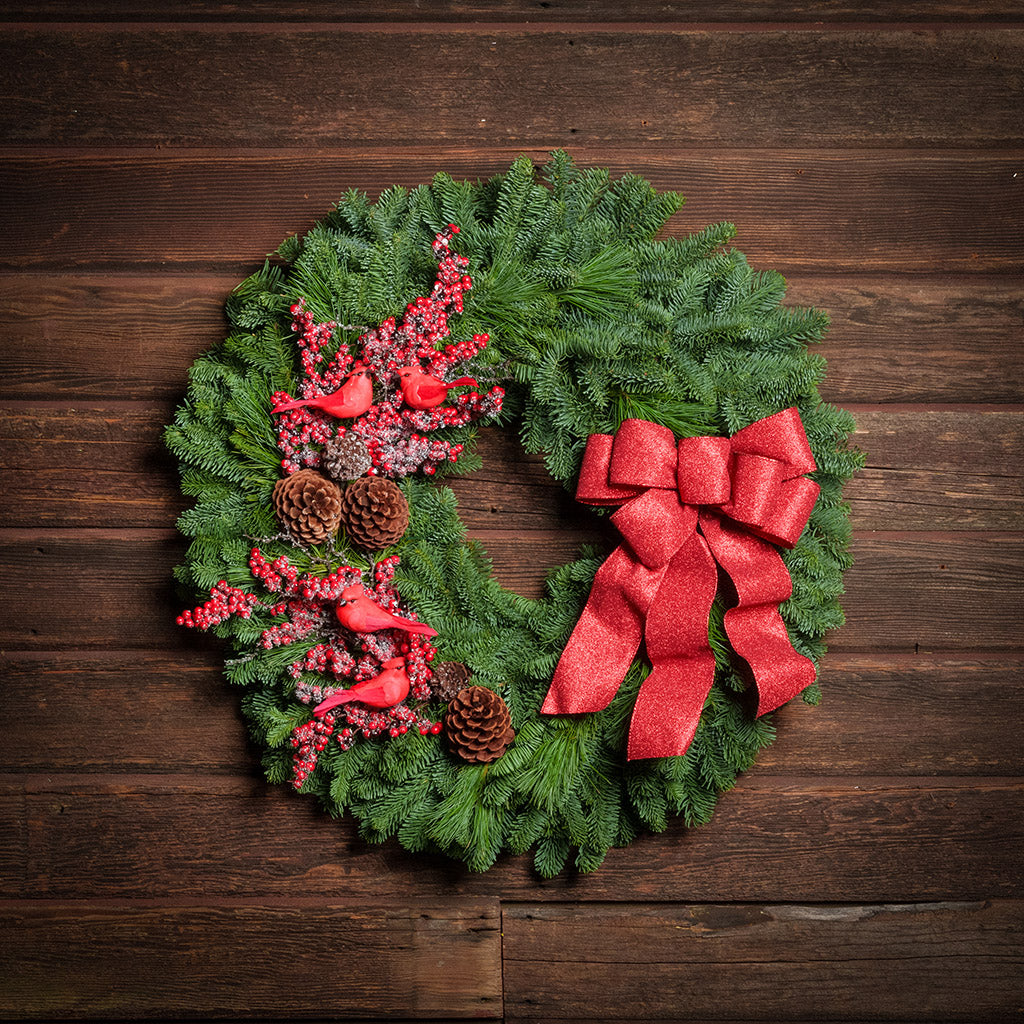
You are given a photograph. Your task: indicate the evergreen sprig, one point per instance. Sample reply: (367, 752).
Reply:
(592, 321)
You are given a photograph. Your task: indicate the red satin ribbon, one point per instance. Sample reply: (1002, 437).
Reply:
(687, 509)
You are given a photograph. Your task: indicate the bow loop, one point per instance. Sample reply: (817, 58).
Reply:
(643, 455)
(703, 471)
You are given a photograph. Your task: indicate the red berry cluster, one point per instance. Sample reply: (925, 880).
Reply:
(224, 602)
(392, 430)
(308, 741)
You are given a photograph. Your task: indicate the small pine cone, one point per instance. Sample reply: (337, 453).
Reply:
(449, 678)
(478, 725)
(309, 505)
(374, 512)
(346, 457)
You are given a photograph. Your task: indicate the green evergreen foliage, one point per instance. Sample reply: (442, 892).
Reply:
(592, 321)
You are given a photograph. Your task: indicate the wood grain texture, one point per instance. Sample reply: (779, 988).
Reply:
(797, 210)
(955, 591)
(151, 155)
(85, 463)
(538, 13)
(361, 958)
(930, 469)
(844, 839)
(681, 961)
(159, 711)
(174, 87)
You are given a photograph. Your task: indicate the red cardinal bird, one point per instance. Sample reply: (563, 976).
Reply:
(353, 398)
(422, 391)
(357, 612)
(391, 687)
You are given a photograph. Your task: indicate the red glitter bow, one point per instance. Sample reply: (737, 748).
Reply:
(686, 509)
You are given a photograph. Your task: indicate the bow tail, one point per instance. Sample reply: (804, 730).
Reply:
(671, 699)
(606, 638)
(754, 625)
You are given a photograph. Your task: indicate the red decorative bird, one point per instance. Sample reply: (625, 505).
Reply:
(422, 391)
(357, 612)
(353, 398)
(391, 687)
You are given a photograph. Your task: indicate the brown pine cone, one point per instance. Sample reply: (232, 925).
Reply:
(374, 512)
(308, 505)
(346, 457)
(449, 678)
(478, 725)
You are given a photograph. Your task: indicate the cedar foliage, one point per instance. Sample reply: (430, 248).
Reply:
(592, 321)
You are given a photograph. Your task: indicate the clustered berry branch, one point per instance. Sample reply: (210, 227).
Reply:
(396, 428)
(306, 602)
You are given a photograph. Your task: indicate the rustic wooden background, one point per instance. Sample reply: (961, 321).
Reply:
(869, 868)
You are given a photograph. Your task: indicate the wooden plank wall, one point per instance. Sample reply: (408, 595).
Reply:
(869, 867)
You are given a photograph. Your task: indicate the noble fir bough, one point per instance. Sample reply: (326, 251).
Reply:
(384, 669)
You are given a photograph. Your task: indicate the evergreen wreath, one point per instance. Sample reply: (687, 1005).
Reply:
(569, 319)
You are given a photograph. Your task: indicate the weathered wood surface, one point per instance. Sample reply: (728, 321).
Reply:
(535, 12)
(944, 210)
(785, 838)
(890, 961)
(150, 711)
(869, 866)
(357, 958)
(174, 87)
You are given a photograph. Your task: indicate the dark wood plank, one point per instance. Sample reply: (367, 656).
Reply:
(933, 961)
(122, 710)
(113, 589)
(918, 339)
(363, 958)
(931, 469)
(894, 338)
(846, 839)
(88, 464)
(70, 465)
(920, 592)
(536, 12)
(786, 88)
(131, 711)
(965, 714)
(907, 211)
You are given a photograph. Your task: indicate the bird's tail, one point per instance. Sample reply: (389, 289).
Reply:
(285, 406)
(420, 628)
(341, 697)
(460, 382)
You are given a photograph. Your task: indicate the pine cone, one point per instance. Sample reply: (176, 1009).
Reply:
(309, 505)
(346, 457)
(478, 725)
(374, 512)
(449, 678)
